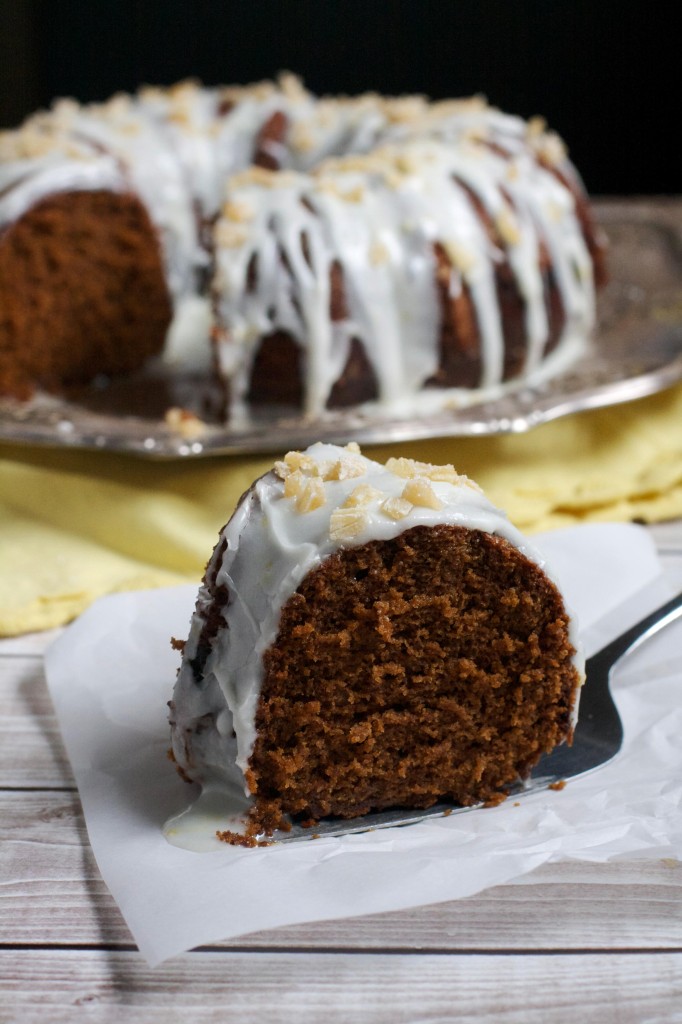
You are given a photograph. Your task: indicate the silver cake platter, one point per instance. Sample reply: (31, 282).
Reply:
(636, 351)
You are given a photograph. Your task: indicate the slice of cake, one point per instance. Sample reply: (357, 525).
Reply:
(370, 636)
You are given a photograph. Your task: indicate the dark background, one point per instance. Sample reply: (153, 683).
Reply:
(604, 74)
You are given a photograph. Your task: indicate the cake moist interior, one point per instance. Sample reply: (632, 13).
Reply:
(83, 292)
(433, 666)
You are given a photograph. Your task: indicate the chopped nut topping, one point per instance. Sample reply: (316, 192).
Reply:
(507, 226)
(406, 163)
(31, 142)
(66, 109)
(263, 177)
(446, 474)
(420, 492)
(230, 235)
(293, 483)
(555, 212)
(238, 211)
(363, 494)
(291, 85)
(393, 179)
(237, 93)
(345, 469)
(311, 495)
(186, 88)
(326, 186)
(405, 468)
(185, 423)
(536, 126)
(460, 257)
(301, 138)
(305, 479)
(152, 94)
(552, 150)
(364, 163)
(409, 468)
(404, 109)
(476, 135)
(293, 460)
(329, 186)
(325, 113)
(311, 467)
(469, 104)
(396, 508)
(378, 254)
(305, 464)
(354, 195)
(347, 523)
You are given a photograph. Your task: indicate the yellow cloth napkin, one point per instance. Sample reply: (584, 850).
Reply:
(77, 525)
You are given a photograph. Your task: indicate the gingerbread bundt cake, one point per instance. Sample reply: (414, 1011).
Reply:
(369, 637)
(314, 253)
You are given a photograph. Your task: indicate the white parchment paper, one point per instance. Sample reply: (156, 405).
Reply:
(112, 672)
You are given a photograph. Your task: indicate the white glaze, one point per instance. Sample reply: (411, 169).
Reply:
(378, 216)
(266, 550)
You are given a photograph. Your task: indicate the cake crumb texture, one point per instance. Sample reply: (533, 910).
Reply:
(434, 666)
(83, 292)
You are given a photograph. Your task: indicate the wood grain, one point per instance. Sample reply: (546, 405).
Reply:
(571, 942)
(32, 754)
(54, 893)
(287, 987)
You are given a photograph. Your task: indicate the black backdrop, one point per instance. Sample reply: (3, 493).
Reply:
(603, 73)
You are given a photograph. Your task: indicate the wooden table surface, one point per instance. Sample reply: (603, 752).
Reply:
(572, 942)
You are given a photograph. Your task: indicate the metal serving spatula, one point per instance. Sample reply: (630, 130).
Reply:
(598, 738)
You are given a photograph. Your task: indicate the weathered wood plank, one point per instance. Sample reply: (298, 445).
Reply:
(668, 538)
(52, 893)
(32, 645)
(286, 987)
(32, 753)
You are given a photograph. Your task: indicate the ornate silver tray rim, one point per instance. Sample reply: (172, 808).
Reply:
(636, 352)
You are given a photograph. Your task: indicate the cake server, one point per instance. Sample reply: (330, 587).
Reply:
(598, 738)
